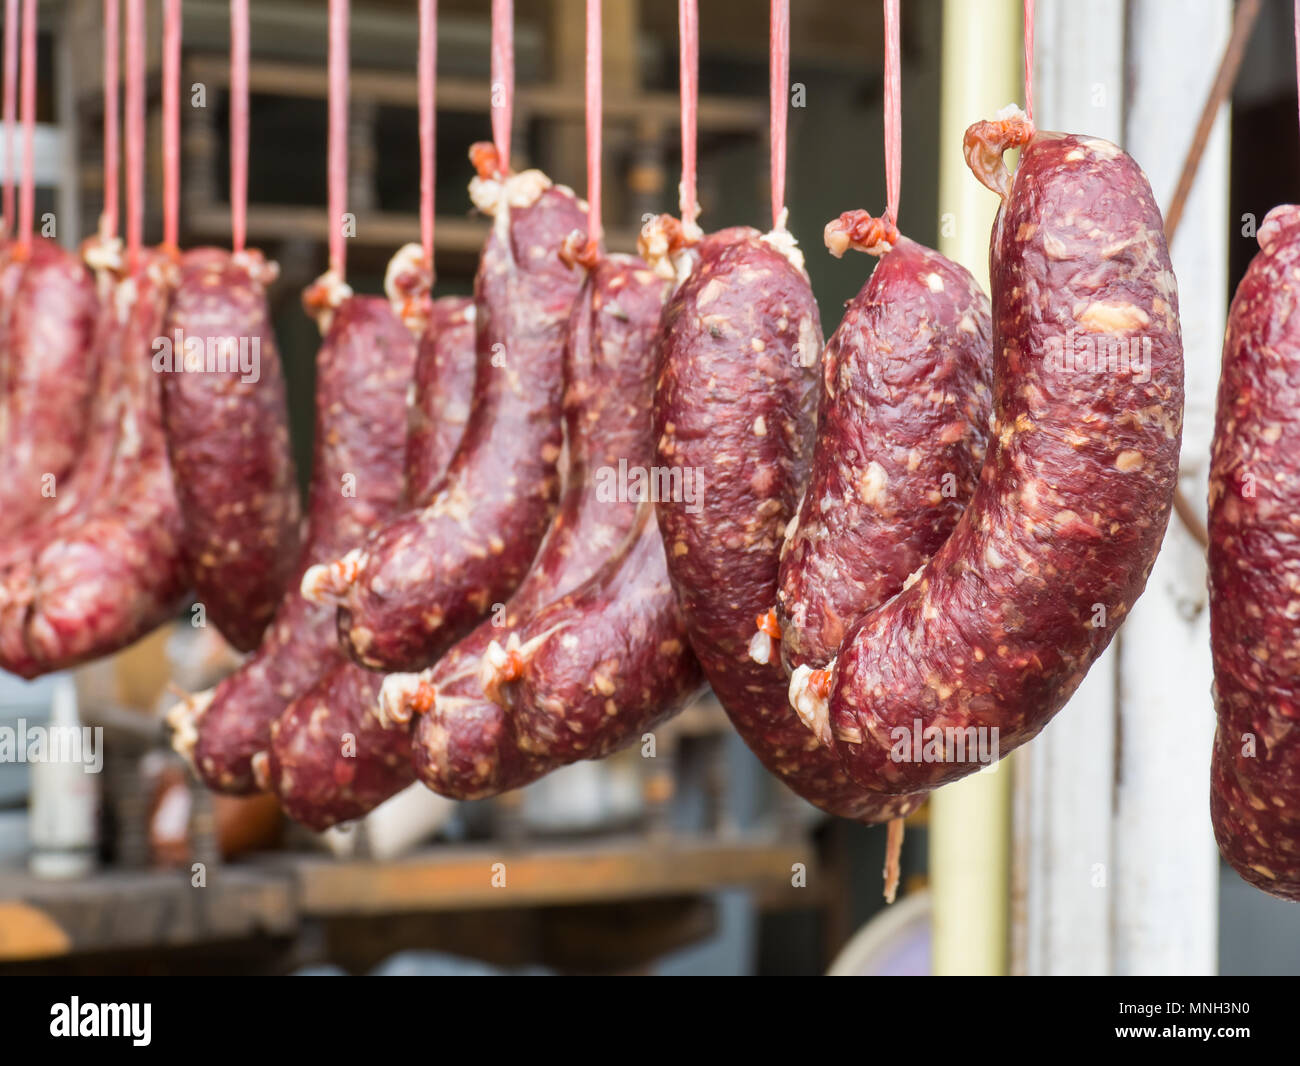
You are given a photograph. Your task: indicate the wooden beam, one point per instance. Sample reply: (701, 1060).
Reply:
(267, 223)
(471, 94)
(119, 910)
(612, 869)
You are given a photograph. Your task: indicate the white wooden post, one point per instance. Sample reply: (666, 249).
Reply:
(1063, 830)
(1165, 876)
(1114, 866)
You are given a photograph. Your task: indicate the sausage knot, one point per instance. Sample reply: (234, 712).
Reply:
(986, 142)
(858, 230)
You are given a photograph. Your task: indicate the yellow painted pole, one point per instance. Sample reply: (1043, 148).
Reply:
(970, 821)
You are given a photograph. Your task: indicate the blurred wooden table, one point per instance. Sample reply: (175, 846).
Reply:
(616, 903)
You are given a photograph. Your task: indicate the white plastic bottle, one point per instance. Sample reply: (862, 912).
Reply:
(63, 815)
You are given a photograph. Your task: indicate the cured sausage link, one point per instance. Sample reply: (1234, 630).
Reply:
(424, 580)
(443, 392)
(596, 668)
(86, 484)
(444, 386)
(363, 373)
(464, 745)
(48, 369)
(1000, 627)
(733, 419)
(228, 438)
(901, 434)
(329, 759)
(112, 575)
(1255, 570)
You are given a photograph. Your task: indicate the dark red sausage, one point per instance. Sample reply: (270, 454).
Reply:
(85, 484)
(1255, 570)
(733, 416)
(49, 370)
(115, 573)
(363, 373)
(329, 760)
(228, 438)
(424, 580)
(901, 433)
(463, 744)
(445, 365)
(1004, 622)
(444, 386)
(595, 669)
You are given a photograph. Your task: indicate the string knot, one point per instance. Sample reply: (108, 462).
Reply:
(861, 232)
(578, 249)
(485, 159)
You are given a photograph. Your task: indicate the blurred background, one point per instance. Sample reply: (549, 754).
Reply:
(693, 861)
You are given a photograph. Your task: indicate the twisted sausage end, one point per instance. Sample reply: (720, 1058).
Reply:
(408, 283)
(183, 721)
(861, 232)
(323, 297)
(402, 696)
(580, 250)
(986, 141)
(763, 642)
(810, 692)
(499, 667)
(261, 767)
(662, 243)
(326, 584)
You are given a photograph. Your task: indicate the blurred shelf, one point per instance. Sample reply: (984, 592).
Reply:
(458, 878)
(474, 95)
(374, 229)
(122, 910)
(548, 113)
(276, 895)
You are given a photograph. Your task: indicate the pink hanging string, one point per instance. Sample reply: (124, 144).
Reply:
(688, 28)
(858, 229)
(594, 120)
(112, 72)
(893, 111)
(135, 132)
(27, 199)
(1029, 59)
(428, 78)
(779, 88)
(171, 122)
(10, 108)
(338, 132)
(503, 79)
(238, 124)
